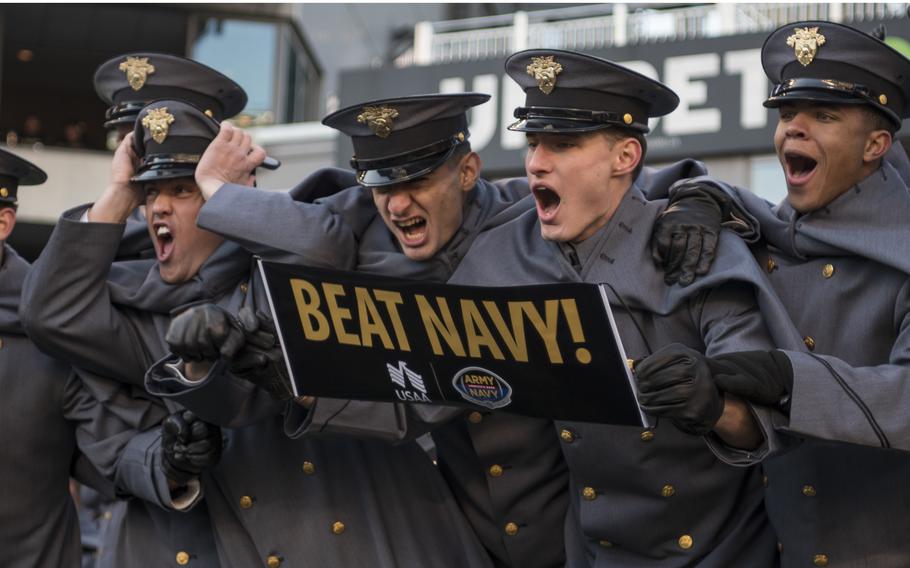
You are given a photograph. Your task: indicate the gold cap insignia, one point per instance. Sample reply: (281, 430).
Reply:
(805, 43)
(379, 119)
(137, 71)
(544, 70)
(158, 120)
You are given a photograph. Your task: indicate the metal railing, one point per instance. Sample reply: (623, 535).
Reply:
(602, 26)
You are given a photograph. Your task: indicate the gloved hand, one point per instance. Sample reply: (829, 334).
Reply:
(204, 332)
(684, 239)
(762, 377)
(675, 382)
(189, 445)
(260, 359)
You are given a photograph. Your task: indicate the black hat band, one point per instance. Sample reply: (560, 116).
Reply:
(549, 119)
(802, 86)
(409, 156)
(391, 175)
(420, 136)
(153, 160)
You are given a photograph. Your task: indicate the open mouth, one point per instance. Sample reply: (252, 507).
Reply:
(413, 231)
(799, 167)
(547, 202)
(164, 242)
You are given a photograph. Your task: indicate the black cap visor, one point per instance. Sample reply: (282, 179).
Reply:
(563, 120)
(405, 171)
(827, 91)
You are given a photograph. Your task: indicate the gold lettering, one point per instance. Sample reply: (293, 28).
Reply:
(391, 301)
(546, 329)
(516, 341)
(435, 326)
(370, 321)
(582, 354)
(338, 314)
(308, 308)
(477, 332)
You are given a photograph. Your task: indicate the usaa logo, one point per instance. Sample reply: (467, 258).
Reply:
(483, 387)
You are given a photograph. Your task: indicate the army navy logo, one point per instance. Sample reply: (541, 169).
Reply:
(544, 70)
(379, 119)
(137, 71)
(401, 376)
(158, 121)
(483, 387)
(805, 43)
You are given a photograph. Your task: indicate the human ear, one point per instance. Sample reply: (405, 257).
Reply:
(627, 155)
(7, 222)
(877, 144)
(469, 171)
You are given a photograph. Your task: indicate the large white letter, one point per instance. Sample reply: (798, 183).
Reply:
(512, 97)
(753, 87)
(677, 74)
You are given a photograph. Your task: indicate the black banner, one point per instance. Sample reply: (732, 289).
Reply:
(548, 350)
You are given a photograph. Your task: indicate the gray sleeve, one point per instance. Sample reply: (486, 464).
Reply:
(833, 400)
(139, 473)
(65, 301)
(218, 398)
(273, 225)
(730, 321)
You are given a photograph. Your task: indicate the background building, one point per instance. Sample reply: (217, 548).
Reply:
(301, 61)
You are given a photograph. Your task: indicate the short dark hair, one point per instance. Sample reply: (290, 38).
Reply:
(617, 133)
(879, 120)
(461, 151)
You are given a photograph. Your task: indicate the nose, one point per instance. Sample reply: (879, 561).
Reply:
(161, 204)
(538, 161)
(399, 202)
(797, 126)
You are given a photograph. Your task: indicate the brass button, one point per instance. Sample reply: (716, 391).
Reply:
(183, 558)
(883, 99)
(589, 493)
(770, 265)
(107, 515)
(208, 112)
(475, 417)
(668, 491)
(273, 561)
(511, 529)
(627, 118)
(685, 542)
(828, 271)
(810, 343)
(246, 502)
(820, 560)
(4, 192)
(630, 363)
(647, 435)
(606, 543)
(567, 436)
(495, 470)
(337, 527)
(309, 468)
(764, 481)
(808, 491)
(244, 287)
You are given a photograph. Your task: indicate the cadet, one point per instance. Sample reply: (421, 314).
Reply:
(127, 83)
(638, 496)
(50, 425)
(109, 318)
(835, 252)
(418, 207)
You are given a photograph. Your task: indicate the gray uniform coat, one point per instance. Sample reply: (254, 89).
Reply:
(51, 428)
(836, 486)
(639, 497)
(391, 505)
(104, 329)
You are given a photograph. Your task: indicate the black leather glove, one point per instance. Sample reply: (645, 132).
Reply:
(204, 332)
(260, 359)
(675, 382)
(762, 377)
(190, 445)
(684, 240)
